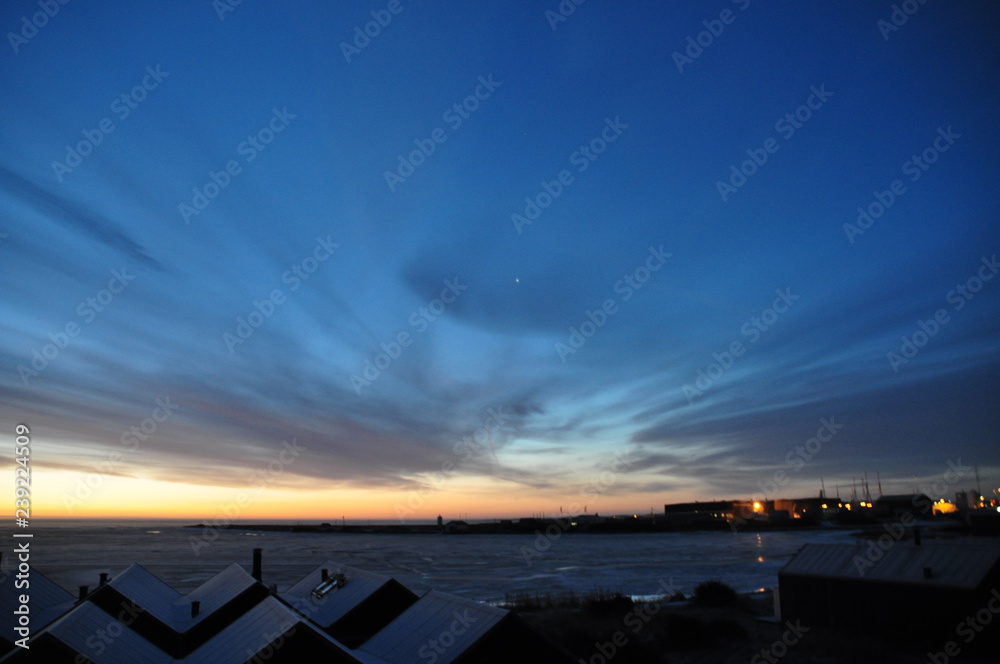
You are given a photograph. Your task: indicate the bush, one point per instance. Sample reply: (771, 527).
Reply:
(714, 593)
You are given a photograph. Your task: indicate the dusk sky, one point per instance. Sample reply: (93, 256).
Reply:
(496, 260)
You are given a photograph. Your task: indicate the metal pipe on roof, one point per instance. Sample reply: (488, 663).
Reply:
(256, 573)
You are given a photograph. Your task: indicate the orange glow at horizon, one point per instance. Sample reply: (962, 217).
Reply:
(86, 494)
(61, 494)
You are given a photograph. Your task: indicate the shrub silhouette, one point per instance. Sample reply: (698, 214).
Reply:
(714, 593)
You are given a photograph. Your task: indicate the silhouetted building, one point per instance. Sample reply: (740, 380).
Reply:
(894, 506)
(810, 509)
(716, 513)
(900, 589)
(456, 527)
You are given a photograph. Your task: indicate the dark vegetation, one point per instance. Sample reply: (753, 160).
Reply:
(715, 625)
(714, 593)
(610, 625)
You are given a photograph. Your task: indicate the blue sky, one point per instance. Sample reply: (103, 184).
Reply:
(662, 223)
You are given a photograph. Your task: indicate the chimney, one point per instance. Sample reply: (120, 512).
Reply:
(916, 537)
(104, 578)
(83, 593)
(195, 608)
(256, 573)
(324, 574)
(927, 573)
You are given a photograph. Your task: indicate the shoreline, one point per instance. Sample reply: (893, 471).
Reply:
(613, 526)
(489, 528)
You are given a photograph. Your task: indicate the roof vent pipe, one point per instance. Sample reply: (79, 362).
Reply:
(256, 565)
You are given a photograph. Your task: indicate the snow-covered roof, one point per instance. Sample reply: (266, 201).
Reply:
(101, 638)
(48, 601)
(358, 586)
(170, 607)
(259, 627)
(438, 626)
(960, 564)
(213, 595)
(147, 591)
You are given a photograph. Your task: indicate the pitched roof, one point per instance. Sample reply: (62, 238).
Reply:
(169, 606)
(437, 626)
(213, 594)
(248, 634)
(147, 591)
(359, 585)
(48, 601)
(959, 564)
(101, 638)
(261, 626)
